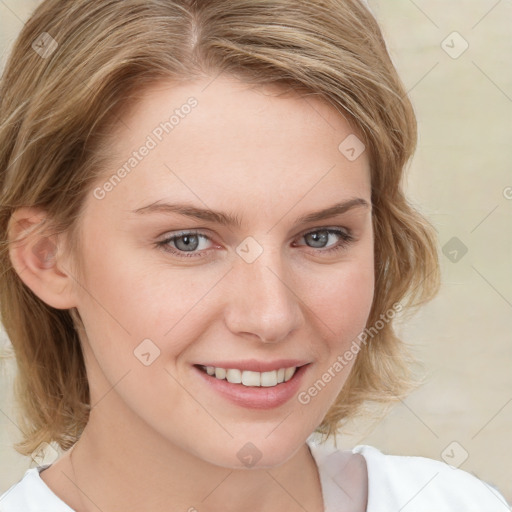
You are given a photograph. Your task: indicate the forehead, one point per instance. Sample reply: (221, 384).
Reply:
(224, 141)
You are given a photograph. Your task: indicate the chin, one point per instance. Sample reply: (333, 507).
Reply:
(258, 453)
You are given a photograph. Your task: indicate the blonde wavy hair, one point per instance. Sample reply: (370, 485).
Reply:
(58, 107)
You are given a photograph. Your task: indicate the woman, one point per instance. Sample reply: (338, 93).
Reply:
(206, 242)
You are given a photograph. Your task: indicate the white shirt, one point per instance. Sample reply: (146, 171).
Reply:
(395, 484)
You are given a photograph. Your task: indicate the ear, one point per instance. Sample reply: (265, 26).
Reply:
(37, 258)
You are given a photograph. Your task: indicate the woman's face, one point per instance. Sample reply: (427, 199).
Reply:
(269, 290)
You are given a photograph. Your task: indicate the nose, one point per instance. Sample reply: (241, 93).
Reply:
(261, 301)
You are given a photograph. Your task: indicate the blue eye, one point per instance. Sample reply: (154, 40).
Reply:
(186, 242)
(189, 241)
(322, 236)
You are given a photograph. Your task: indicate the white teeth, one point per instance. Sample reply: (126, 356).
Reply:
(234, 376)
(288, 374)
(269, 379)
(250, 378)
(220, 373)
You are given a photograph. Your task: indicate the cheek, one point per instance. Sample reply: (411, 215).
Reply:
(343, 299)
(129, 300)
(341, 309)
(138, 319)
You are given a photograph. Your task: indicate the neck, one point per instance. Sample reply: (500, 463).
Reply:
(131, 468)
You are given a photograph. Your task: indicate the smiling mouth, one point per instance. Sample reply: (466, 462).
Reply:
(250, 378)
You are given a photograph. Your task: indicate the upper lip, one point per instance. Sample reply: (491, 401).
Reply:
(256, 366)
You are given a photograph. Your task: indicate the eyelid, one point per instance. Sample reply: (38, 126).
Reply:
(212, 232)
(208, 232)
(323, 227)
(346, 235)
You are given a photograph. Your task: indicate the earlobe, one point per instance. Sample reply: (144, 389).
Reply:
(36, 258)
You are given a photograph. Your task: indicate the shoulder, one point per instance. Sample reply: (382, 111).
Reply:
(31, 494)
(420, 483)
(412, 483)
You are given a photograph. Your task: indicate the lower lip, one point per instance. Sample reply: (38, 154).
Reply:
(256, 397)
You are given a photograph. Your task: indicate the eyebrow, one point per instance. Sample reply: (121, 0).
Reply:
(226, 219)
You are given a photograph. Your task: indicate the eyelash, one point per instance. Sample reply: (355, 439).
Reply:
(346, 239)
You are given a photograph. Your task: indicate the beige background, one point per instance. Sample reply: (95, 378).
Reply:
(459, 179)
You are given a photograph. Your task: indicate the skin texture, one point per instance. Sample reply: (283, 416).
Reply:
(159, 438)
